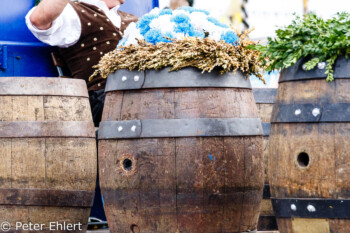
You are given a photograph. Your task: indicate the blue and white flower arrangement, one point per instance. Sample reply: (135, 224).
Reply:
(182, 38)
(165, 25)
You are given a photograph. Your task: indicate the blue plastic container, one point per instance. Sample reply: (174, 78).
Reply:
(21, 54)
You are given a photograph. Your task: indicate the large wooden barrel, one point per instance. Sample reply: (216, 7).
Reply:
(180, 152)
(309, 164)
(265, 99)
(48, 154)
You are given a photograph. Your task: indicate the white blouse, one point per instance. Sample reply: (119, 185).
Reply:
(65, 31)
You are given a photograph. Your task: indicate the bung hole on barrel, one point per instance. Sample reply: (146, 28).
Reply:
(127, 164)
(303, 159)
(134, 228)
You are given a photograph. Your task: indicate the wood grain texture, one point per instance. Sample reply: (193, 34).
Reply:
(267, 220)
(327, 144)
(46, 163)
(196, 184)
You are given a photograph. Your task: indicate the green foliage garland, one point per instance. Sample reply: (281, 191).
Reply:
(309, 36)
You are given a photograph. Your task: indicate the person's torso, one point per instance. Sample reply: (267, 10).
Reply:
(98, 37)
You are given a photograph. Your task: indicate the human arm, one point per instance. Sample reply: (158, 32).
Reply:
(46, 12)
(65, 30)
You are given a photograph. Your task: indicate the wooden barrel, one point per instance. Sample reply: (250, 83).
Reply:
(309, 164)
(48, 155)
(180, 152)
(265, 99)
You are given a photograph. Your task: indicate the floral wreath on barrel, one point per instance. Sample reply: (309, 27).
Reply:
(186, 37)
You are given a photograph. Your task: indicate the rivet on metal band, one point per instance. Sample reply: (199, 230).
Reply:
(311, 208)
(311, 113)
(200, 127)
(188, 77)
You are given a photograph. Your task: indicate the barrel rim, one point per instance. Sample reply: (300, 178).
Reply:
(43, 86)
(296, 72)
(170, 128)
(189, 77)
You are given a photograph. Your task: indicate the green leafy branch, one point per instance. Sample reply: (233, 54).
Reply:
(308, 36)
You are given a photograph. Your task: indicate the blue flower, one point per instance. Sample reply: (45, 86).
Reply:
(183, 28)
(230, 37)
(143, 23)
(166, 12)
(217, 22)
(155, 36)
(191, 10)
(180, 18)
(168, 34)
(196, 33)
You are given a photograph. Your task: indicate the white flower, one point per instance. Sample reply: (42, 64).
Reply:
(163, 23)
(132, 33)
(155, 11)
(179, 35)
(178, 12)
(198, 20)
(216, 35)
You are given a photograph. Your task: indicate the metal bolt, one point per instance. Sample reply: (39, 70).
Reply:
(124, 78)
(136, 78)
(321, 65)
(311, 208)
(304, 67)
(293, 207)
(120, 128)
(133, 128)
(316, 112)
(297, 112)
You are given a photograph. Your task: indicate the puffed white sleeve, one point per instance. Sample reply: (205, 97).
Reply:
(65, 31)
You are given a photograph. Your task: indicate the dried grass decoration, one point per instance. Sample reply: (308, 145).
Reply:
(185, 42)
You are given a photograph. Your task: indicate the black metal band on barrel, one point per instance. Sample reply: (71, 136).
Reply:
(297, 73)
(265, 95)
(27, 86)
(40, 129)
(188, 77)
(266, 126)
(312, 113)
(201, 127)
(46, 197)
(311, 208)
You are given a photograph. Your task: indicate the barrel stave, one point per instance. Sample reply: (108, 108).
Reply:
(197, 187)
(288, 178)
(44, 108)
(180, 103)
